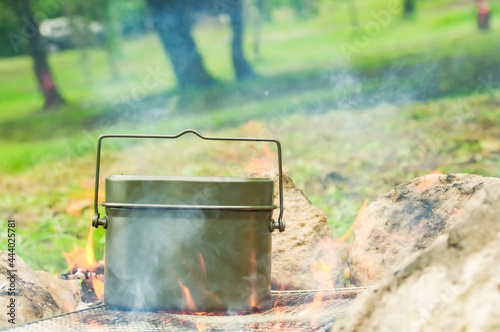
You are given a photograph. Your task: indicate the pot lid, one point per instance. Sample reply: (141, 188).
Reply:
(173, 190)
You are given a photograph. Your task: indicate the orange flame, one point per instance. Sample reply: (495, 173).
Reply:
(278, 308)
(202, 326)
(322, 273)
(253, 292)
(280, 285)
(77, 204)
(428, 181)
(318, 299)
(98, 288)
(186, 297)
(262, 163)
(85, 259)
(329, 250)
(362, 226)
(202, 265)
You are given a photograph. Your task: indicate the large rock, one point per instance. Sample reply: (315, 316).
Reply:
(304, 256)
(32, 300)
(405, 221)
(64, 292)
(452, 286)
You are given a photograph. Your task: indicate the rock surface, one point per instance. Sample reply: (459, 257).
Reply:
(304, 256)
(454, 285)
(64, 292)
(32, 300)
(407, 220)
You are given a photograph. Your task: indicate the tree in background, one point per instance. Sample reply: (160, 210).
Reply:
(353, 15)
(305, 8)
(264, 9)
(173, 22)
(9, 26)
(241, 67)
(408, 7)
(36, 48)
(87, 13)
(112, 35)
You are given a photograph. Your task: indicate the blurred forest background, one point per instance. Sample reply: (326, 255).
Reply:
(363, 94)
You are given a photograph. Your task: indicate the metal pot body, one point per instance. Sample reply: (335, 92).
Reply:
(188, 244)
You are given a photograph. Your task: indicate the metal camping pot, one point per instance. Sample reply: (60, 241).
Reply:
(188, 243)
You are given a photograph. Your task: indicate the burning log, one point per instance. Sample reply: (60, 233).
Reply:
(82, 274)
(83, 266)
(92, 278)
(89, 297)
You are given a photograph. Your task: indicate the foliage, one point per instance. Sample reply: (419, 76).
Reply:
(8, 25)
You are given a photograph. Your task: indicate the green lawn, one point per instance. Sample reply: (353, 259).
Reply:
(433, 75)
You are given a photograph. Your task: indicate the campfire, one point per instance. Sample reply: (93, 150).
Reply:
(295, 310)
(83, 266)
(187, 276)
(234, 281)
(321, 309)
(306, 310)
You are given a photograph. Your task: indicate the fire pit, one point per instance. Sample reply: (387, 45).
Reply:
(173, 263)
(308, 310)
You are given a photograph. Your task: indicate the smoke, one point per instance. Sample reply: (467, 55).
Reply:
(144, 257)
(399, 83)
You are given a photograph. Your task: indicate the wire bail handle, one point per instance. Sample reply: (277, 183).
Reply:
(98, 221)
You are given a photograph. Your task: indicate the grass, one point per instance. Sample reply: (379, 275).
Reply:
(339, 158)
(428, 73)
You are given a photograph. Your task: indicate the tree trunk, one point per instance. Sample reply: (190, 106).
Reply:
(353, 15)
(257, 27)
(299, 7)
(305, 8)
(265, 10)
(408, 7)
(111, 37)
(38, 52)
(241, 67)
(172, 21)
